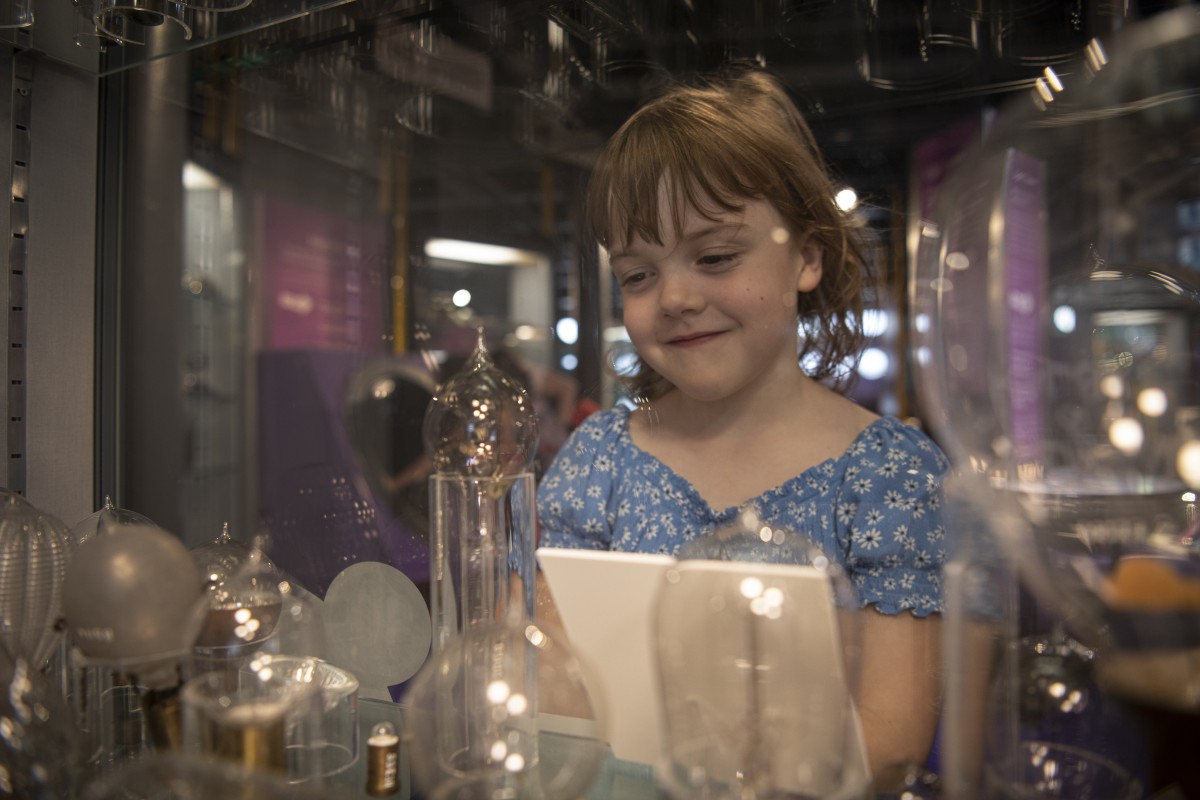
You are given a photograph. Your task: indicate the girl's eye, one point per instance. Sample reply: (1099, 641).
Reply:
(715, 259)
(633, 277)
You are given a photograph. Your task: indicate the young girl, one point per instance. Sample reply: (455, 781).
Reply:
(717, 214)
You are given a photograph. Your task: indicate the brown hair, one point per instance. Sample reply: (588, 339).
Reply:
(716, 144)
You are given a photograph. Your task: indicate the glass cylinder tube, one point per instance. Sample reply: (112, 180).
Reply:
(482, 552)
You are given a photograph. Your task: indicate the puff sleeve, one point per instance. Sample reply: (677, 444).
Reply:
(889, 519)
(576, 494)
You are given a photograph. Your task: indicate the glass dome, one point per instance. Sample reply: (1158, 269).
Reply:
(1056, 302)
(105, 520)
(252, 607)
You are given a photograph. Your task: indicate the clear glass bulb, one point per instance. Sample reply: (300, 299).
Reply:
(481, 423)
(252, 607)
(757, 643)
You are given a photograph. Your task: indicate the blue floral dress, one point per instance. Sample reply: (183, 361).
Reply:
(877, 506)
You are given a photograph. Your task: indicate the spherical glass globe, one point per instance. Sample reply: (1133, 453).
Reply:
(1056, 298)
(502, 711)
(133, 601)
(481, 423)
(35, 549)
(758, 655)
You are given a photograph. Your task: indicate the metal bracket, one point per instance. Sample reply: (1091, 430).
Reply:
(18, 218)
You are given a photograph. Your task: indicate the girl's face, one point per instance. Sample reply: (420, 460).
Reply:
(714, 309)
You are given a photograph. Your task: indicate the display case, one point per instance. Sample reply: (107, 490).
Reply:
(250, 239)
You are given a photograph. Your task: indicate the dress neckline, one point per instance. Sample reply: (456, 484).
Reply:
(787, 487)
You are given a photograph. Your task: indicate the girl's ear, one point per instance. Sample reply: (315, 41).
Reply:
(808, 264)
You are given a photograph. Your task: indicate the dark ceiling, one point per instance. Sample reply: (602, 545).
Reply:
(490, 82)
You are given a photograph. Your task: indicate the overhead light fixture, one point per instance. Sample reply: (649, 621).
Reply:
(479, 253)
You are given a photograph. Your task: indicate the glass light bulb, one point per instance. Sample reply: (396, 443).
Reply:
(481, 422)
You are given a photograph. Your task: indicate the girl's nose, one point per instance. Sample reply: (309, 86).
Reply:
(678, 293)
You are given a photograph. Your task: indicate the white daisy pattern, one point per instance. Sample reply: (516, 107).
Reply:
(604, 492)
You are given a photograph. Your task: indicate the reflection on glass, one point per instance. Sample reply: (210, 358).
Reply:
(1062, 380)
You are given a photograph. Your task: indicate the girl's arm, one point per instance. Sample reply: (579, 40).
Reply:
(899, 691)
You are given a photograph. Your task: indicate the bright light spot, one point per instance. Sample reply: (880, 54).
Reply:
(1188, 497)
(958, 357)
(517, 704)
(811, 361)
(1043, 90)
(498, 691)
(1126, 435)
(617, 333)
(461, 298)
(921, 323)
(569, 362)
(874, 364)
(1096, 57)
(875, 321)
(751, 587)
(567, 330)
(241, 615)
(515, 762)
(625, 363)
(780, 235)
(846, 199)
(924, 356)
(535, 635)
(957, 260)
(1112, 387)
(764, 533)
(526, 333)
(478, 253)
(1064, 319)
(1053, 79)
(1057, 689)
(195, 177)
(383, 388)
(1152, 401)
(1188, 463)
(499, 750)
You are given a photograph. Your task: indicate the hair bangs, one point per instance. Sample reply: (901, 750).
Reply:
(661, 170)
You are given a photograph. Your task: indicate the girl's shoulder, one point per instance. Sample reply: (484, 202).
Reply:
(895, 440)
(604, 424)
(601, 431)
